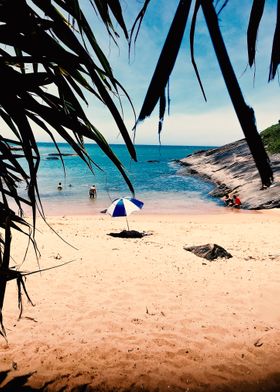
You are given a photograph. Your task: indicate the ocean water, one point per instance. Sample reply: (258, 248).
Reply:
(155, 176)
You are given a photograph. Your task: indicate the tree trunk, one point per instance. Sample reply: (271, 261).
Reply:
(244, 113)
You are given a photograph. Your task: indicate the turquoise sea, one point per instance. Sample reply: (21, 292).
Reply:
(156, 179)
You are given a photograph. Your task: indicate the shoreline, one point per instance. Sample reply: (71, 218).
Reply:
(232, 169)
(145, 314)
(150, 212)
(157, 206)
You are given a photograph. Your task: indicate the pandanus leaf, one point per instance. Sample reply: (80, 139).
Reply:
(5, 259)
(166, 60)
(6, 212)
(137, 24)
(244, 113)
(114, 111)
(275, 54)
(20, 56)
(9, 156)
(84, 28)
(222, 6)
(9, 122)
(253, 26)
(57, 57)
(63, 32)
(13, 106)
(162, 106)
(117, 12)
(96, 48)
(59, 121)
(192, 31)
(101, 7)
(41, 46)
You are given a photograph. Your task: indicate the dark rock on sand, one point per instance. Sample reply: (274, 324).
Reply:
(209, 251)
(232, 169)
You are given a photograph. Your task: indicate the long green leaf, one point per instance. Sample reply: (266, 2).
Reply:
(13, 107)
(62, 31)
(166, 60)
(117, 12)
(275, 54)
(137, 24)
(196, 9)
(162, 106)
(244, 113)
(253, 26)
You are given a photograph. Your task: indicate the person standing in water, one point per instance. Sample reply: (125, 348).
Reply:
(92, 192)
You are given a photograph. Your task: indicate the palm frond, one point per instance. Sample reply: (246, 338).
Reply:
(253, 26)
(222, 6)
(116, 10)
(162, 106)
(275, 54)
(137, 24)
(4, 266)
(37, 52)
(192, 31)
(166, 60)
(244, 113)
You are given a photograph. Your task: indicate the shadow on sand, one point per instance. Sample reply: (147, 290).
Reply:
(20, 384)
(130, 234)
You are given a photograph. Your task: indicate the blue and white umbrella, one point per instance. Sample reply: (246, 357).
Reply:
(124, 207)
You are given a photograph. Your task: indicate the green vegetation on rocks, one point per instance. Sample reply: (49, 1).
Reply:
(271, 138)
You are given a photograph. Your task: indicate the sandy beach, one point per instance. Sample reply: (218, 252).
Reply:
(145, 314)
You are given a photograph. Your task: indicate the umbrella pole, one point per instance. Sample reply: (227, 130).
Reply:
(127, 223)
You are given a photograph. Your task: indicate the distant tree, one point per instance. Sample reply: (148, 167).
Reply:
(271, 138)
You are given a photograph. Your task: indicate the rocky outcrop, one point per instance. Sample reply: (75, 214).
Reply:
(232, 169)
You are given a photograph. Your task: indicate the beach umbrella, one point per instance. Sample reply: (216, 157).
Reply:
(124, 206)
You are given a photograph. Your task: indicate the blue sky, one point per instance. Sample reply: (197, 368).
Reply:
(192, 120)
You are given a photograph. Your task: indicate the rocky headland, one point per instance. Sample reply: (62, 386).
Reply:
(232, 169)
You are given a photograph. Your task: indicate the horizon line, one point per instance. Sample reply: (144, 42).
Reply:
(138, 144)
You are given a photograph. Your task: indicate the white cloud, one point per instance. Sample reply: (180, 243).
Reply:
(212, 128)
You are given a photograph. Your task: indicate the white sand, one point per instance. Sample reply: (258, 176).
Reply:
(144, 314)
